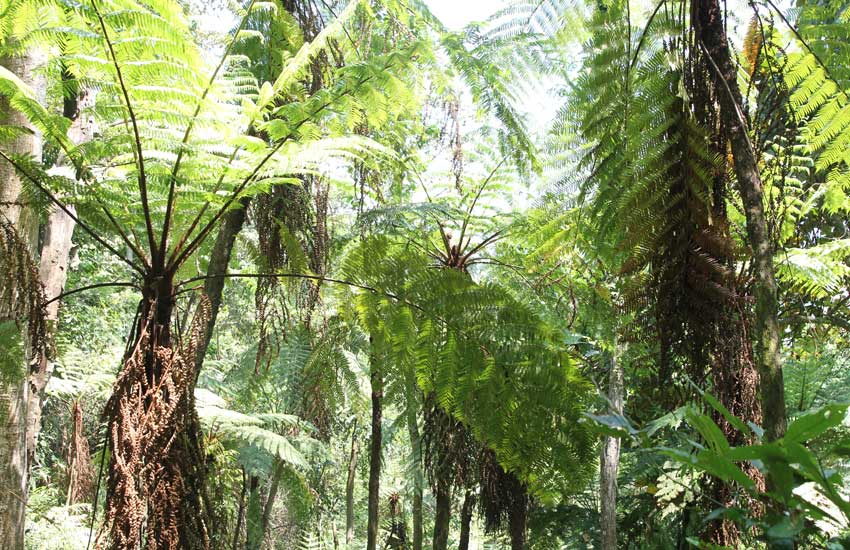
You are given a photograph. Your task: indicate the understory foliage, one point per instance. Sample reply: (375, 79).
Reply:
(345, 274)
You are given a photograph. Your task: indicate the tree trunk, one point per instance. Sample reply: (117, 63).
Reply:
(610, 459)
(240, 514)
(14, 387)
(268, 507)
(53, 271)
(377, 381)
(710, 31)
(13, 463)
(231, 224)
(466, 520)
(349, 489)
(156, 490)
(416, 449)
(253, 519)
(518, 520)
(442, 515)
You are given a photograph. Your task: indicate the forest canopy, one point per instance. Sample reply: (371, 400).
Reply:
(288, 274)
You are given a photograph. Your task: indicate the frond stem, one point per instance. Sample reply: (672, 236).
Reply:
(143, 185)
(172, 185)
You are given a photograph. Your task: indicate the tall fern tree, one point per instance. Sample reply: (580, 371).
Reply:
(176, 137)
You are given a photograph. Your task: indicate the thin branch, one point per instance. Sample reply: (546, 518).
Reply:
(169, 205)
(121, 232)
(143, 185)
(89, 287)
(65, 209)
(492, 238)
(321, 279)
(307, 276)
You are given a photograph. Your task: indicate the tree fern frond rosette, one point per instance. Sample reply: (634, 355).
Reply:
(487, 359)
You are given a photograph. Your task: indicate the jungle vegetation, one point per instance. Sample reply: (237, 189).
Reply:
(299, 274)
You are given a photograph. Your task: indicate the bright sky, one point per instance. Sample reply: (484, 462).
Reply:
(456, 13)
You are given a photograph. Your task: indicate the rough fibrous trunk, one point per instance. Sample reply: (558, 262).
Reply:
(466, 520)
(710, 32)
(610, 459)
(442, 515)
(377, 381)
(156, 487)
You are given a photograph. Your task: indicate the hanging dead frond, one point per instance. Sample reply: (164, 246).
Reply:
(78, 458)
(21, 300)
(158, 467)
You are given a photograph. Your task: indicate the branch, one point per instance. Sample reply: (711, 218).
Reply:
(143, 185)
(320, 278)
(643, 34)
(65, 209)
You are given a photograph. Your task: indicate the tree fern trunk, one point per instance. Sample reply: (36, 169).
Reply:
(466, 520)
(377, 381)
(518, 515)
(610, 460)
(710, 31)
(442, 515)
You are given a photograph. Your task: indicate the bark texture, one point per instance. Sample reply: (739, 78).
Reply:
(231, 224)
(442, 515)
(466, 520)
(610, 459)
(14, 386)
(711, 34)
(413, 406)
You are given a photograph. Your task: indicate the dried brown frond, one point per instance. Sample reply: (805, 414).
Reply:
(158, 464)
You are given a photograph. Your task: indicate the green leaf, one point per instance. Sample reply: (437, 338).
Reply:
(810, 425)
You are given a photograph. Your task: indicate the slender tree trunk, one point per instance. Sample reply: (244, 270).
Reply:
(14, 386)
(240, 514)
(53, 271)
(442, 515)
(277, 474)
(55, 258)
(711, 34)
(610, 459)
(377, 381)
(466, 519)
(413, 405)
(231, 224)
(349, 489)
(253, 517)
(518, 520)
